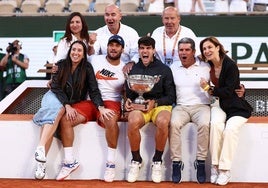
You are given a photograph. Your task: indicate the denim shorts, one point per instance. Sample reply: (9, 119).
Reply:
(50, 107)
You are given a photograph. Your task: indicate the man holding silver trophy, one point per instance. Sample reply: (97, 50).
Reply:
(150, 95)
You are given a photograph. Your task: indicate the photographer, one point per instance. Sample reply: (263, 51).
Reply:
(15, 64)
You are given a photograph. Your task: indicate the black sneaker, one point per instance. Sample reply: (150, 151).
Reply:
(177, 167)
(200, 171)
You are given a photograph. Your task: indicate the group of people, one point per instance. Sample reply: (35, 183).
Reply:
(239, 6)
(13, 65)
(98, 65)
(157, 6)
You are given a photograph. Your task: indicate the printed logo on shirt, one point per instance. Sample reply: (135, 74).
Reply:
(105, 74)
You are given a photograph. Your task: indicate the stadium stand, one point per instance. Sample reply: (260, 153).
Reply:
(8, 6)
(79, 5)
(30, 6)
(129, 5)
(101, 4)
(55, 6)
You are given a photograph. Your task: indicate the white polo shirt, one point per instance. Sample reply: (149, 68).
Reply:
(161, 37)
(187, 82)
(130, 37)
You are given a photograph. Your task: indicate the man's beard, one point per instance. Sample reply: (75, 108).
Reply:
(113, 57)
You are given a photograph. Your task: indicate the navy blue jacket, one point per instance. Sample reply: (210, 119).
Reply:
(164, 90)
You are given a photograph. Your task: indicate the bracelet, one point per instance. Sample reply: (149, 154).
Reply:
(206, 88)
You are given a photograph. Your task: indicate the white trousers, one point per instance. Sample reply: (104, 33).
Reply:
(224, 137)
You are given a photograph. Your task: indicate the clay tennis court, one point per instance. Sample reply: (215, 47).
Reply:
(27, 183)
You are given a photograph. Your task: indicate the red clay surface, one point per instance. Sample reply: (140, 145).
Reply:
(27, 183)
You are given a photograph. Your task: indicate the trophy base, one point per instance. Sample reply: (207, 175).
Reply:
(142, 107)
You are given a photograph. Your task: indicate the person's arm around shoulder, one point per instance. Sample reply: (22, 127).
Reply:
(241, 91)
(127, 68)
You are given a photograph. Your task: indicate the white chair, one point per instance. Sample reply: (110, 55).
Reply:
(101, 4)
(8, 6)
(129, 5)
(79, 5)
(30, 6)
(55, 6)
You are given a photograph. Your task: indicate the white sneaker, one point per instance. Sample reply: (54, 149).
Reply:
(40, 171)
(109, 173)
(40, 154)
(224, 177)
(134, 171)
(157, 171)
(214, 174)
(67, 169)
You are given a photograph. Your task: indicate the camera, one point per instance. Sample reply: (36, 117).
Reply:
(11, 49)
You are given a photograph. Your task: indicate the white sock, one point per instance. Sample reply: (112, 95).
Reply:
(68, 154)
(111, 155)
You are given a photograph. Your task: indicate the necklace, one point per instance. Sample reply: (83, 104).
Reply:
(169, 61)
(174, 45)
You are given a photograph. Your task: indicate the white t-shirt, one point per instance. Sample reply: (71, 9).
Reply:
(110, 78)
(130, 37)
(187, 82)
(170, 42)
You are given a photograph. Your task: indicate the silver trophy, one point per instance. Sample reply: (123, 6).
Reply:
(141, 84)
